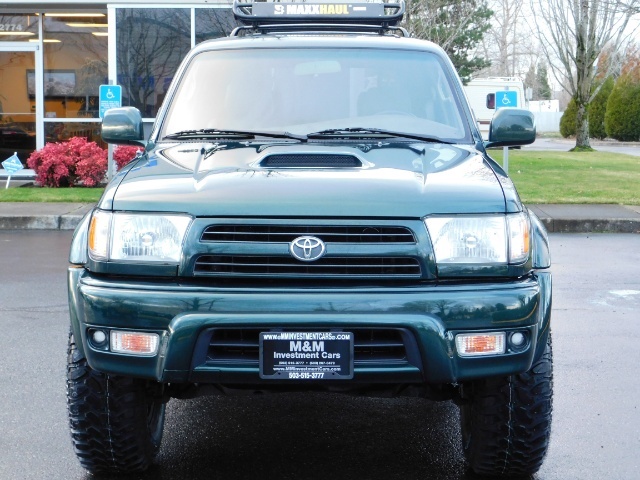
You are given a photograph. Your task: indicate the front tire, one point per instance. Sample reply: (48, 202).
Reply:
(506, 421)
(116, 422)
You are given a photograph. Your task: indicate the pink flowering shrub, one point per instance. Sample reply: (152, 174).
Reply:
(53, 166)
(123, 154)
(66, 163)
(92, 165)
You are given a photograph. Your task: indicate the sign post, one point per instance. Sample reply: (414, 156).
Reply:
(506, 99)
(11, 166)
(110, 97)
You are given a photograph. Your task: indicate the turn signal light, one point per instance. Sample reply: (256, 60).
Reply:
(472, 344)
(134, 343)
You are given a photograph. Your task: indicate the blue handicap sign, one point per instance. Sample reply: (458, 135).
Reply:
(12, 164)
(506, 98)
(110, 97)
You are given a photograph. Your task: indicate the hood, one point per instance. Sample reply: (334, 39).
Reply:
(398, 179)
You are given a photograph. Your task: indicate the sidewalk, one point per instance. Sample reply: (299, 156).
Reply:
(41, 216)
(589, 218)
(557, 218)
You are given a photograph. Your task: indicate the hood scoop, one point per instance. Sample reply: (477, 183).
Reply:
(310, 160)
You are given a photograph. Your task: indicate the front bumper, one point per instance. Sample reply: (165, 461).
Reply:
(425, 318)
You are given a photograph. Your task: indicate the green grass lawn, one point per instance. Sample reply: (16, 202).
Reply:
(568, 177)
(540, 176)
(77, 194)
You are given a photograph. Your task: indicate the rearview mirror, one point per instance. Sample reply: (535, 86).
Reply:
(123, 126)
(511, 127)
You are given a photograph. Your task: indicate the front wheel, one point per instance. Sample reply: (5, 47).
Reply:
(506, 421)
(116, 422)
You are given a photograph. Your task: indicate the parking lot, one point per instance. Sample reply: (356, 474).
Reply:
(596, 407)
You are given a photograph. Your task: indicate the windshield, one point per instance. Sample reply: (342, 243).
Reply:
(310, 90)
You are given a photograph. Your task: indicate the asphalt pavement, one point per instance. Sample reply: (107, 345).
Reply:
(320, 436)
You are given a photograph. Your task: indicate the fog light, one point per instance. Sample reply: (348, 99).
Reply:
(517, 339)
(99, 337)
(472, 344)
(134, 343)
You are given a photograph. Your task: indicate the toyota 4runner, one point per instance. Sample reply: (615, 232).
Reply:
(314, 210)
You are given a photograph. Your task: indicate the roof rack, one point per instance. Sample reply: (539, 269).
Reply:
(330, 15)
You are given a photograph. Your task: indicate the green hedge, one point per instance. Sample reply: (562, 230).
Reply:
(622, 118)
(568, 120)
(598, 108)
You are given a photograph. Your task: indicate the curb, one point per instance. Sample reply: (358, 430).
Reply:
(566, 225)
(40, 222)
(42, 216)
(596, 218)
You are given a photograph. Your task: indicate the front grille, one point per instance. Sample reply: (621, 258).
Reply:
(310, 161)
(287, 233)
(362, 267)
(370, 346)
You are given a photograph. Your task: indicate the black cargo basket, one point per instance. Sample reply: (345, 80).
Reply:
(316, 15)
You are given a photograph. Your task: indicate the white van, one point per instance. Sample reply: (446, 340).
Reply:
(482, 98)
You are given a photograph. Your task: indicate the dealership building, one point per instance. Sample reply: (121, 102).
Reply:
(55, 55)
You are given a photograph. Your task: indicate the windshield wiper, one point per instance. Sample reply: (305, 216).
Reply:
(353, 131)
(214, 132)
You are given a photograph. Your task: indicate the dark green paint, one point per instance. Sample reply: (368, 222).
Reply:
(511, 127)
(180, 311)
(400, 183)
(123, 126)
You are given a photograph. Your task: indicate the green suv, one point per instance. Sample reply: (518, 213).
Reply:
(314, 210)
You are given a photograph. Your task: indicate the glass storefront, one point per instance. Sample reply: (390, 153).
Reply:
(18, 28)
(213, 23)
(17, 85)
(17, 106)
(75, 63)
(52, 64)
(151, 42)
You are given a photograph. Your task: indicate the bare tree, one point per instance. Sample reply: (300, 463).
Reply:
(510, 43)
(573, 35)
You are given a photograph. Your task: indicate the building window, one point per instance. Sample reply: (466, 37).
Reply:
(18, 28)
(214, 23)
(75, 65)
(151, 43)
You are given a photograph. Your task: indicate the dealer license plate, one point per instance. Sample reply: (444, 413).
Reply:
(306, 355)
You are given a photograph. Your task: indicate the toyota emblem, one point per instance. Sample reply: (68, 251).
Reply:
(307, 249)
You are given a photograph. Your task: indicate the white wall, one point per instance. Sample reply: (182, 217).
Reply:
(544, 106)
(547, 122)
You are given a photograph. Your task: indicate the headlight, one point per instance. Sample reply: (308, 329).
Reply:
(137, 237)
(480, 239)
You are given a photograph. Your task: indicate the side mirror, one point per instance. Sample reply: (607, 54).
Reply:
(123, 126)
(511, 127)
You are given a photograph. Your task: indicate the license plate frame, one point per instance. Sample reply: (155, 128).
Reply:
(305, 356)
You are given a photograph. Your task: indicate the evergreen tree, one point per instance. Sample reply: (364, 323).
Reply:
(456, 25)
(568, 120)
(622, 118)
(542, 80)
(598, 108)
(530, 80)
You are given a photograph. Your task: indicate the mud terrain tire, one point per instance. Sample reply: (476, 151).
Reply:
(506, 421)
(116, 422)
